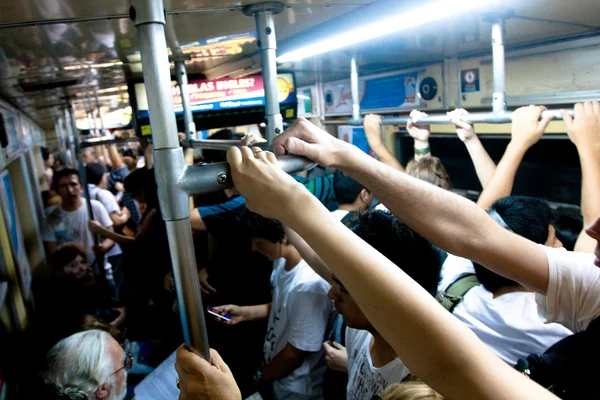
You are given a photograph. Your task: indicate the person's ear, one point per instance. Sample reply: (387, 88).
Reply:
(103, 391)
(365, 196)
(284, 240)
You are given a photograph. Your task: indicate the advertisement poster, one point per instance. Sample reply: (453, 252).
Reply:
(223, 94)
(354, 135)
(469, 81)
(389, 92)
(11, 219)
(219, 46)
(11, 126)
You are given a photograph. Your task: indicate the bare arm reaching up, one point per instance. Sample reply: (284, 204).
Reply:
(484, 165)
(372, 125)
(584, 132)
(527, 129)
(447, 220)
(419, 134)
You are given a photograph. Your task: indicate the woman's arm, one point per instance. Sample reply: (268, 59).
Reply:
(98, 229)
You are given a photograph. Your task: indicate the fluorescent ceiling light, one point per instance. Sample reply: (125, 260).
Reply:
(403, 21)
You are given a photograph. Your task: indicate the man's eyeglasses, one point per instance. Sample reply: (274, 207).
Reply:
(127, 363)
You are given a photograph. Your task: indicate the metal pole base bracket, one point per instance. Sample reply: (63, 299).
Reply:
(275, 7)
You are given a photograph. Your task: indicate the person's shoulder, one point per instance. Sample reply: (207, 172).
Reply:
(355, 337)
(52, 211)
(575, 263)
(96, 203)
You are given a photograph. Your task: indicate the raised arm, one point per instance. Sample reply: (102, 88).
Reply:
(584, 132)
(115, 157)
(433, 345)
(447, 220)
(372, 125)
(527, 129)
(484, 165)
(420, 135)
(309, 255)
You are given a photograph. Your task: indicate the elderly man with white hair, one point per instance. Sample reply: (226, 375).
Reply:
(88, 365)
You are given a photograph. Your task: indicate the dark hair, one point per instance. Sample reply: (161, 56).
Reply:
(418, 258)
(94, 172)
(260, 227)
(45, 153)
(346, 189)
(142, 181)
(64, 255)
(65, 172)
(528, 217)
(212, 156)
(134, 182)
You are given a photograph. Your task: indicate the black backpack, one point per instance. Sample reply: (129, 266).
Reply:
(570, 368)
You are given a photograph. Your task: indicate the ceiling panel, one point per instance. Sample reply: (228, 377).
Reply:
(102, 54)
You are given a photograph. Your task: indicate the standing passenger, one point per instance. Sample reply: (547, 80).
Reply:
(297, 316)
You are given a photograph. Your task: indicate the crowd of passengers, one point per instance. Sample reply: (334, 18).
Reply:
(373, 282)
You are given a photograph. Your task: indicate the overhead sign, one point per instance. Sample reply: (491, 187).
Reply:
(223, 94)
(389, 92)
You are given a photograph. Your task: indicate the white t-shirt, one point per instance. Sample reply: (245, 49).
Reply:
(453, 268)
(340, 214)
(573, 295)
(364, 380)
(72, 227)
(509, 324)
(299, 316)
(105, 197)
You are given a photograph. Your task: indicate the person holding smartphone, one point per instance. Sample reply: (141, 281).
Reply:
(297, 316)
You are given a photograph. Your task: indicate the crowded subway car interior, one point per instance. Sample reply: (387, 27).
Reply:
(299, 199)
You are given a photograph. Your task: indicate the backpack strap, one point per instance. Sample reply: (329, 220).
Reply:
(456, 292)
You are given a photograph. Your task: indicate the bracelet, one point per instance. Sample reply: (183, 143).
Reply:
(426, 150)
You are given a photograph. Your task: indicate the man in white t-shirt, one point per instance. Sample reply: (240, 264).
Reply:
(297, 316)
(502, 312)
(68, 222)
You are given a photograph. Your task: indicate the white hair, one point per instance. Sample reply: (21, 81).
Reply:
(79, 364)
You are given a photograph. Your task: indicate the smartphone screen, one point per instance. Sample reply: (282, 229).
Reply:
(219, 314)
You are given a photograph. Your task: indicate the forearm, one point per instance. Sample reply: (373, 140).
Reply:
(425, 336)
(590, 183)
(115, 237)
(449, 221)
(117, 219)
(256, 313)
(309, 255)
(422, 149)
(386, 157)
(285, 362)
(115, 157)
(484, 165)
(502, 181)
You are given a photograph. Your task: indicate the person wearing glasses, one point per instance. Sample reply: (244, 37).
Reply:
(88, 365)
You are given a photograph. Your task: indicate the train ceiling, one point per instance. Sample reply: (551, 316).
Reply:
(53, 52)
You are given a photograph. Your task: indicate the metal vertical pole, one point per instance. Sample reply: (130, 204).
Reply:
(149, 19)
(499, 97)
(188, 120)
(354, 88)
(99, 110)
(267, 43)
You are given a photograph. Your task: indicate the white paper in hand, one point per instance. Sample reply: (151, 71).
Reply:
(161, 384)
